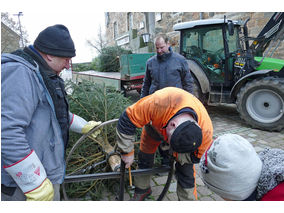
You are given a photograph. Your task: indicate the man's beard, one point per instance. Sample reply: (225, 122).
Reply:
(163, 56)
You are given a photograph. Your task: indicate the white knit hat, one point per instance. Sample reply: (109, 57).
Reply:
(231, 167)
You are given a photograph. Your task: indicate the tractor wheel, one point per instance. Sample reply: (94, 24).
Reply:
(261, 103)
(197, 91)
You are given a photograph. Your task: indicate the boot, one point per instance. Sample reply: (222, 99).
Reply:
(141, 194)
(142, 187)
(185, 194)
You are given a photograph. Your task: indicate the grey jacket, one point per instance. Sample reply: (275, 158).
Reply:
(169, 70)
(28, 120)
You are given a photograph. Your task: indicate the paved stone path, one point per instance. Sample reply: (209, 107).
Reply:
(225, 119)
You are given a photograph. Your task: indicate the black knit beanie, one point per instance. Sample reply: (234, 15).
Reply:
(186, 138)
(55, 40)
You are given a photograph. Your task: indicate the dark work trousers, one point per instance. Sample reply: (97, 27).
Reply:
(185, 175)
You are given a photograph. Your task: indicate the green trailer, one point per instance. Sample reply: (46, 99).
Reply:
(130, 77)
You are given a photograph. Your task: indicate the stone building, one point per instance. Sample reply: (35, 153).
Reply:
(126, 28)
(10, 40)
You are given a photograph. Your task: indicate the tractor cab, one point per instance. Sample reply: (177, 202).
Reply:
(228, 66)
(212, 44)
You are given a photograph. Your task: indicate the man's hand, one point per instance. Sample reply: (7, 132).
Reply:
(44, 192)
(128, 159)
(90, 125)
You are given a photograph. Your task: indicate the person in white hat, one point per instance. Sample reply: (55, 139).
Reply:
(232, 169)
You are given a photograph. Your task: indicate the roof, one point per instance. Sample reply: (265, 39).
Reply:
(191, 24)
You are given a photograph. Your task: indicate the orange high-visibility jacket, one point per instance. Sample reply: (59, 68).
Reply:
(162, 105)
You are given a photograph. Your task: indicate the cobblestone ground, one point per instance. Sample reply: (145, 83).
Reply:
(225, 119)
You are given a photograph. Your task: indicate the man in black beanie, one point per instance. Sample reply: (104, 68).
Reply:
(180, 120)
(35, 117)
(55, 40)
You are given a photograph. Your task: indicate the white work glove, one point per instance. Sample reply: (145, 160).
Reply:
(90, 125)
(80, 125)
(128, 159)
(30, 176)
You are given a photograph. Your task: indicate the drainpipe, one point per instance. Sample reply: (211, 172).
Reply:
(150, 27)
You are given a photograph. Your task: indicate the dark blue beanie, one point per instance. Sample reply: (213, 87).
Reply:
(55, 40)
(187, 137)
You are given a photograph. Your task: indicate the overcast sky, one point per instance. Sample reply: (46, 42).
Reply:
(82, 27)
(83, 18)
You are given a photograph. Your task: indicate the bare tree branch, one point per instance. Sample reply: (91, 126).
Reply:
(99, 43)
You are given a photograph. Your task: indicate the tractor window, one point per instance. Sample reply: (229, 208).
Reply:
(213, 42)
(190, 44)
(197, 43)
(233, 47)
(232, 41)
(206, 46)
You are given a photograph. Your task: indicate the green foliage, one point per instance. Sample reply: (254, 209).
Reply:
(81, 67)
(95, 102)
(107, 61)
(99, 103)
(109, 58)
(95, 64)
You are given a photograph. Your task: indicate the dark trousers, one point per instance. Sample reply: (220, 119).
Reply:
(184, 173)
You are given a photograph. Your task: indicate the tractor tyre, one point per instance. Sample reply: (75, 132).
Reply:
(261, 103)
(197, 91)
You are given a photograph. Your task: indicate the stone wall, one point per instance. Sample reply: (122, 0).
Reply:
(127, 37)
(164, 22)
(10, 41)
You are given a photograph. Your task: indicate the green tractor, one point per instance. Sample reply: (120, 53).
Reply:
(228, 66)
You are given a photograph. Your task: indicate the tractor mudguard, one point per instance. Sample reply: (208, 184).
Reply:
(200, 76)
(244, 79)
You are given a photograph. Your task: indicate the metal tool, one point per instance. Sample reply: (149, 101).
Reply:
(121, 186)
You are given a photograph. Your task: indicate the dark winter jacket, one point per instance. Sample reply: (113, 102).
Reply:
(169, 70)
